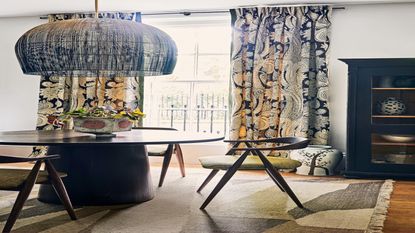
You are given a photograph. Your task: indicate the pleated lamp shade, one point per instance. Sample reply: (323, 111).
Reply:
(95, 47)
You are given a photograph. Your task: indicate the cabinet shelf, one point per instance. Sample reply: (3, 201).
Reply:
(393, 88)
(386, 143)
(394, 116)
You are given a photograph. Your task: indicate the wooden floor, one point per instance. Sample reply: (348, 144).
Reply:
(401, 213)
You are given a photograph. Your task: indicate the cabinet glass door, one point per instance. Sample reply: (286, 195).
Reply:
(393, 113)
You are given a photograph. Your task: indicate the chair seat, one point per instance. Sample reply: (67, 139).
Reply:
(157, 150)
(250, 163)
(11, 179)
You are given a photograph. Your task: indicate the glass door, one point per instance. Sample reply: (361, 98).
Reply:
(393, 119)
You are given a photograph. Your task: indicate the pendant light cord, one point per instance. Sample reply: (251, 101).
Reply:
(96, 8)
(96, 101)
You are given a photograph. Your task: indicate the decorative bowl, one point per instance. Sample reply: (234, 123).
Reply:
(101, 126)
(391, 106)
(398, 138)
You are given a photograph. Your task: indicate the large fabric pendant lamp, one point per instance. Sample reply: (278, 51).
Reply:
(96, 47)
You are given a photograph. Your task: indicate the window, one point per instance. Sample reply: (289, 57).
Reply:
(196, 96)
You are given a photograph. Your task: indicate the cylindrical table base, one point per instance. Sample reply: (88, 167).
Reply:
(102, 174)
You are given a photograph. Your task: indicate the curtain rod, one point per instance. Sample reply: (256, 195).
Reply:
(188, 13)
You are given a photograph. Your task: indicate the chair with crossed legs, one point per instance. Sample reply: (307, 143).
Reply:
(23, 180)
(256, 161)
(165, 151)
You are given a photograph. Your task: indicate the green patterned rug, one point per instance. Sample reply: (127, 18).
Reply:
(248, 203)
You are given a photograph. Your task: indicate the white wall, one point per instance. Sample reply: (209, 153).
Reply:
(365, 31)
(386, 30)
(18, 92)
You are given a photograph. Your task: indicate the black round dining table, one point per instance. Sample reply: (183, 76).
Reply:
(101, 170)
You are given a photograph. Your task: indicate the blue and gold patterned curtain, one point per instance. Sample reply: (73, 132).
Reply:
(279, 72)
(61, 94)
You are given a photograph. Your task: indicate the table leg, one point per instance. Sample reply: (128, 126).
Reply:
(102, 174)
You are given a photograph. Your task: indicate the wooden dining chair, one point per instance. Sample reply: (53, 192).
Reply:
(23, 180)
(165, 151)
(252, 158)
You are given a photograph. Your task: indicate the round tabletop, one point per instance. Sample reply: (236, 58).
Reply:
(70, 137)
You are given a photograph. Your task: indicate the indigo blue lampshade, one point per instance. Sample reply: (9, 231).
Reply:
(93, 47)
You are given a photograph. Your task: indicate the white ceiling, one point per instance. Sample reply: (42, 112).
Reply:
(12, 8)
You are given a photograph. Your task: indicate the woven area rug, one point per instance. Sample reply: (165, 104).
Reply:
(250, 202)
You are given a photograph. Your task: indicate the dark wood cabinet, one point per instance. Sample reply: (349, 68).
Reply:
(381, 118)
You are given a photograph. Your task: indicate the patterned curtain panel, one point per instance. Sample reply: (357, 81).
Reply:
(60, 94)
(279, 72)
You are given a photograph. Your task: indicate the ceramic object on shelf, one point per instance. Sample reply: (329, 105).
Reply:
(398, 138)
(317, 160)
(101, 126)
(391, 106)
(386, 81)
